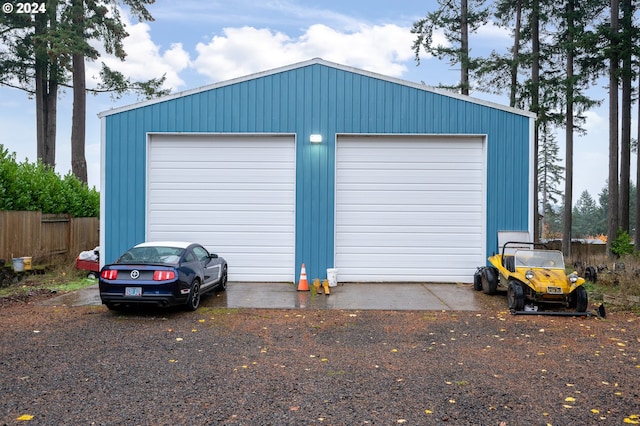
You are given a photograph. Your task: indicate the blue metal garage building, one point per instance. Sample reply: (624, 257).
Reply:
(322, 164)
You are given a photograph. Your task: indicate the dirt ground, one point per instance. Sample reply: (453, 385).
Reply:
(87, 365)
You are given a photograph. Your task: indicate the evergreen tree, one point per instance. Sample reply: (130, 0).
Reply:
(572, 21)
(88, 20)
(549, 174)
(40, 55)
(457, 18)
(584, 211)
(500, 72)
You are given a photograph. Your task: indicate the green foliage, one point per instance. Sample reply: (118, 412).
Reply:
(37, 187)
(622, 246)
(587, 217)
(118, 85)
(449, 19)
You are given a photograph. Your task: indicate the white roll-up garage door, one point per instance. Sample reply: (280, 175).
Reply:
(235, 194)
(409, 208)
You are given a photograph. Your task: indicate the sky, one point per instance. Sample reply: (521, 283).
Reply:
(196, 43)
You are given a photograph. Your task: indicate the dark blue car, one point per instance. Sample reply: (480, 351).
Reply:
(162, 274)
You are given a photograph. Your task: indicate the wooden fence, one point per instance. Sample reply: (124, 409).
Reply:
(46, 236)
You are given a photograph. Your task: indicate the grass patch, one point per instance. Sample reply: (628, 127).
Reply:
(60, 278)
(617, 282)
(217, 311)
(429, 316)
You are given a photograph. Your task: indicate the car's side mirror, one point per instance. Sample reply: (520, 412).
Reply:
(213, 256)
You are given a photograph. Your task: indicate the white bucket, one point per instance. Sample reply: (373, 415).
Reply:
(18, 264)
(332, 277)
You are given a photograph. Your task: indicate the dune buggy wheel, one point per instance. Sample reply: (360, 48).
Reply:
(579, 299)
(489, 280)
(515, 296)
(477, 279)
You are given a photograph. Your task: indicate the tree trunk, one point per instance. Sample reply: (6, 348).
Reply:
(515, 55)
(568, 181)
(46, 74)
(464, 47)
(41, 110)
(612, 217)
(78, 160)
(625, 134)
(535, 107)
(78, 118)
(41, 68)
(51, 114)
(637, 218)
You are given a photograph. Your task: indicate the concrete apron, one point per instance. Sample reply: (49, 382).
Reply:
(380, 296)
(356, 296)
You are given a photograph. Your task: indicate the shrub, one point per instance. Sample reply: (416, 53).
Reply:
(37, 187)
(622, 245)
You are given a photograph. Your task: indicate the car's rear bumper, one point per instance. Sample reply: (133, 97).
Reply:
(154, 300)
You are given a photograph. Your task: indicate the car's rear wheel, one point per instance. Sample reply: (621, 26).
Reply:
(580, 300)
(222, 285)
(489, 280)
(194, 296)
(515, 296)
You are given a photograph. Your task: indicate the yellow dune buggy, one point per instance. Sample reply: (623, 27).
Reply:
(532, 274)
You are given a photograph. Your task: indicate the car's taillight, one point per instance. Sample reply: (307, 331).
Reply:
(109, 274)
(163, 275)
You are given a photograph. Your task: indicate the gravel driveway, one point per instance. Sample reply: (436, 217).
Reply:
(86, 365)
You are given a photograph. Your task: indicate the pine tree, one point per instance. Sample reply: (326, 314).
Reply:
(457, 18)
(585, 210)
(549, 174)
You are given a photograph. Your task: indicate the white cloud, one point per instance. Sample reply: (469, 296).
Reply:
(241, 51)
(595, 122)
(144, 59)
(493, 34)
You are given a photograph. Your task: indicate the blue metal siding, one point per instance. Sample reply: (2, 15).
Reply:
(314, 99)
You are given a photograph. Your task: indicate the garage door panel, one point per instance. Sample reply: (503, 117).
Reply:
(394, 218)
(247, 234)
(234, 194)
(424, 198)
(413, 205)
(230, 196)
(362, 209)
(394, 183)
(201, 215)
(391, 275)
(412, 156)
(202, 155)
(411, 239)
(275, 209)
(416, 262)
(224, 175)
(418, 229)
(440, 173)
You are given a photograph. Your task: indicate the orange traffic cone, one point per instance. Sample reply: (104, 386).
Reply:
(303, 285)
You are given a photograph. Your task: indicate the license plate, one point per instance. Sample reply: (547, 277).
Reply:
(133, 291)
(554, 290)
